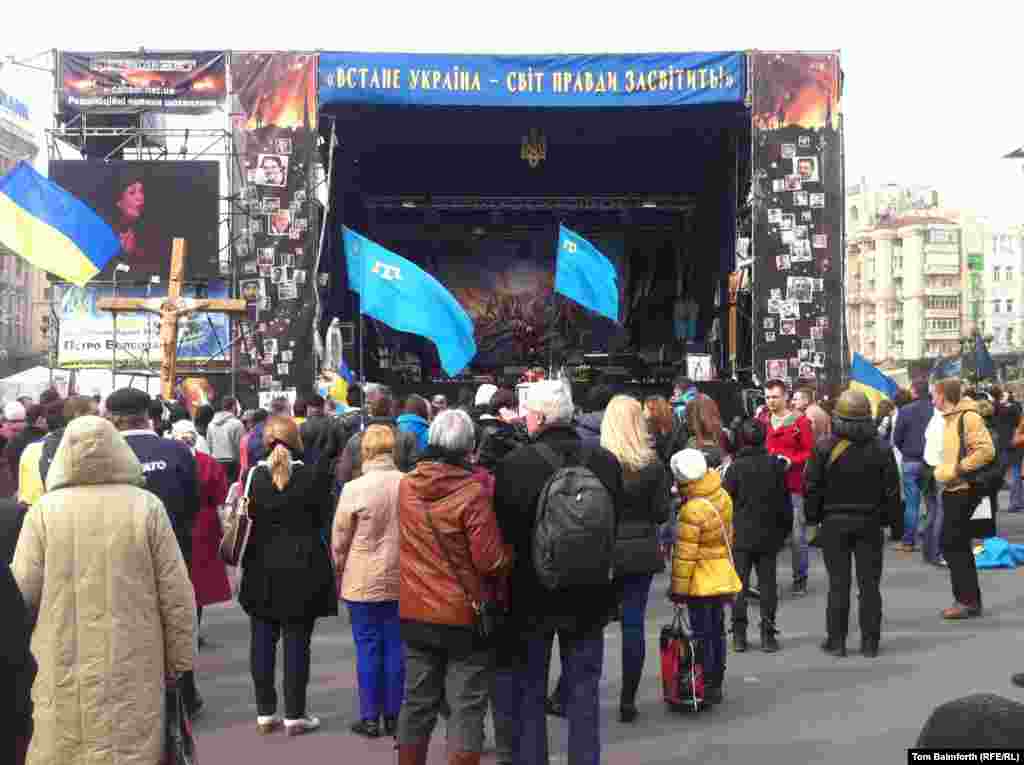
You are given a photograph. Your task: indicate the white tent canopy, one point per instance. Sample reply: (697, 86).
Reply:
(87, 382)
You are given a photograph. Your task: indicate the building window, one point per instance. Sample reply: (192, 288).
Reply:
(996, 305)
(995, 273)
(1009, 273)
(1009, 306)
(1009, 335)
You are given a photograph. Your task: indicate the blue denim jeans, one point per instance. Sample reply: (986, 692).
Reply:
(634, 590)
(798, 542)
(911, 499)
(931, 534)
(520, 695)
(707, 620)
(380, 658)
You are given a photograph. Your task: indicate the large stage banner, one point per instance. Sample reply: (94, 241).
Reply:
(149, 204)
(87, 335)
(276, 138)
(636, 79)
(798, 218)
(188, 82)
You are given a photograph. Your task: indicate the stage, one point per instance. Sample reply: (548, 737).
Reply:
(453, 189)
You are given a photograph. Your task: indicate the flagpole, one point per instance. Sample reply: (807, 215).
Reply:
(323, 232)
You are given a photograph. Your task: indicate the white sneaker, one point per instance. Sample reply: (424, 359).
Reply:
(267, 723)
(302, 725)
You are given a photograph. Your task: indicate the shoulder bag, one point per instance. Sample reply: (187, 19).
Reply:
(731, 581)
(237, 527)
(988, 477)
(488, 614)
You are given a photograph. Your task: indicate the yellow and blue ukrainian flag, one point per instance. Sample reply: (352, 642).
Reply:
(339, 391)
(51, 228)
(869, 380)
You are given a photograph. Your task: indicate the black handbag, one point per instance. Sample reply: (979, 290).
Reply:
(179, 744)
(988, 477)
(488, 614)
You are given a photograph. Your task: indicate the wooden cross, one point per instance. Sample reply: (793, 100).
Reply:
(171, 309)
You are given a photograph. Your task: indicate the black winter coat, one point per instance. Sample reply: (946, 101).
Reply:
(646, 504)
(287, 574)
(497, 440)
(863, 481)
(12, 517)
(17, 665)
(519, 480)
(761, 513)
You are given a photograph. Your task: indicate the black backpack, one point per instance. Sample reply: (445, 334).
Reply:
(574, 535)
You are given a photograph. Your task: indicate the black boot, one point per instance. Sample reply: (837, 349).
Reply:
(713, 694)
(739, 638)
(835, 646)
(869, 646)
(769, 639)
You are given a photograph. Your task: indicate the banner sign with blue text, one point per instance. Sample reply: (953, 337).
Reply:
(622, 80)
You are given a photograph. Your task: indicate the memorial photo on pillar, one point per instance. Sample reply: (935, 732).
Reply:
(148, 204)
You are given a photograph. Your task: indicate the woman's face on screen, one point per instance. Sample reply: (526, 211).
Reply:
(132, 201)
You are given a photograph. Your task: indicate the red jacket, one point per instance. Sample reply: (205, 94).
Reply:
(209, 576)
(794, 439)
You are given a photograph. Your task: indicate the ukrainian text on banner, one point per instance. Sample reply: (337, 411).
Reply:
(185, 82)
(640, 79)
(86, 333)
(798, 218)
(276, 135)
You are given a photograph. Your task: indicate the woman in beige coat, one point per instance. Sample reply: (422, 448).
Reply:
(100, 569)
(365, 543)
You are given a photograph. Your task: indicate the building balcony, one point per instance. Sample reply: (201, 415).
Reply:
(942, 334)
(936, 268)
(942, 313)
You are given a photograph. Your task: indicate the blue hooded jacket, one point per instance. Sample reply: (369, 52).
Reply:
(413, 423)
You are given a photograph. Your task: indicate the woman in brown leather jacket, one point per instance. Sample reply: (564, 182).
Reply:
(442, 502)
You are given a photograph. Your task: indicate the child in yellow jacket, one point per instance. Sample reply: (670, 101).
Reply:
(703, 574)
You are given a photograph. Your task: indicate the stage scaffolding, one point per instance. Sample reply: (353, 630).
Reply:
(139, 142)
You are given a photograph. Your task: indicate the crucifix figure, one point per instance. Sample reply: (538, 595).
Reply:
(171, 309)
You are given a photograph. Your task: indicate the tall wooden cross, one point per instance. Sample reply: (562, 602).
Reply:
(171, 309)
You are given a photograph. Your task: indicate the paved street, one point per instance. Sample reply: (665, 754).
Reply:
(798, 706)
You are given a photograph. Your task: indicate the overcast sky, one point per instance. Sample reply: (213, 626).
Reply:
(932, 96)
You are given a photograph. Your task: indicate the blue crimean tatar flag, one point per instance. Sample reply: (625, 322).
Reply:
(871, 381)
(399, 293)
(51, 228)
(586, 276)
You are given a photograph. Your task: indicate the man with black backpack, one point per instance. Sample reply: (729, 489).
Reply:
(557, 502)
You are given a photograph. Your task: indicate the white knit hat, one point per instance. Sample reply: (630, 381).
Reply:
(688, 465)
(484, 394)
(14, 412)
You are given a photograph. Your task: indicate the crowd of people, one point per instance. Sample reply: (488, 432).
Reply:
(461, 540)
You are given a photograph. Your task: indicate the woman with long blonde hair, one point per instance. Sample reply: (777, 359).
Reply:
(647, 504)
(287, 577)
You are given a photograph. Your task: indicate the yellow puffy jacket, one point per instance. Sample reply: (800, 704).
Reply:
(701, 562)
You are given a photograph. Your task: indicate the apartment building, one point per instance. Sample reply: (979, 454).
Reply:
(1001, 309)
(905, 288)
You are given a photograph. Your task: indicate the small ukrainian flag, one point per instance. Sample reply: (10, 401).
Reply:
(51, 228)
(339, 391)
(869, 380)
